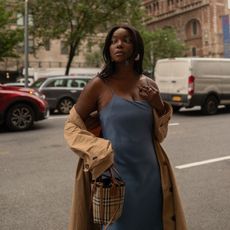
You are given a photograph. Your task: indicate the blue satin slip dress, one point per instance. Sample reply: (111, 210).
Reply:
(128, 125)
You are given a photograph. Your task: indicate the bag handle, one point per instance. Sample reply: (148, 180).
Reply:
(113, 173)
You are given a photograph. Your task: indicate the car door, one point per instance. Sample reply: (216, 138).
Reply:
(54, 89)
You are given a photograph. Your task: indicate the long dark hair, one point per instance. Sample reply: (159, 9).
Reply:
(138, 49)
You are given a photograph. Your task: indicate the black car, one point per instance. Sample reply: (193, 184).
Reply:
(61, 91)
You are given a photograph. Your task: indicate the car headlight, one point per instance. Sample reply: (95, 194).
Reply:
(37, 94)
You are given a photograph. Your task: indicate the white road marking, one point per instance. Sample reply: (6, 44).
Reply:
(57, 117)
(173, 124)
(203, 162)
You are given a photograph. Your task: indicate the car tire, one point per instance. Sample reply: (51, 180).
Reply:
(52, 111)
(20, 117)
(176, 108)
(65, 105)
(210, 107)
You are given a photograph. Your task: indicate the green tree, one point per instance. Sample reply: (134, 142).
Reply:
(74, 20)
(9, 38)
(94, 59)
(161, 43)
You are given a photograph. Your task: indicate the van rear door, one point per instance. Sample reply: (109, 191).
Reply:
(225, 83)
(171, 76)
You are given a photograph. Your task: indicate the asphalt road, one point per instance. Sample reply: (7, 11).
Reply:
(37, 172)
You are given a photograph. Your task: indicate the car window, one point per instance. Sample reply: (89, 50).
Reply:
(72, 83)
(50, 84)
(38, 83)
(57, 83)
(82, 83)
(76, 83)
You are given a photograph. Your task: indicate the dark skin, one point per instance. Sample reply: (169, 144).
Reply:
(125, 83)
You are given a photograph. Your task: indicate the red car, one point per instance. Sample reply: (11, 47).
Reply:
(20, 107)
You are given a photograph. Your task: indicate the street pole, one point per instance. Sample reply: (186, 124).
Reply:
(26, 43)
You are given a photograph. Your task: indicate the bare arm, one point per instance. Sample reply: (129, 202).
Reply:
(97, 153)
(88, 99)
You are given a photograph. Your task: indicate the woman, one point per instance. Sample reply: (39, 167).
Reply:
(134, 120)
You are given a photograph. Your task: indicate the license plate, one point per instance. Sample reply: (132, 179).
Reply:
(176, 98)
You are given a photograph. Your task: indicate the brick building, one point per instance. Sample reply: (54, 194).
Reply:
(197, 22)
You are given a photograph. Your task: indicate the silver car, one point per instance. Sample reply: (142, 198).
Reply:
(61, 91)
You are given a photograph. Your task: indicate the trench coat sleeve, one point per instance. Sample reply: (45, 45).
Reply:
(161, 123)
(97, 153)
(81, 213)
(173, 214)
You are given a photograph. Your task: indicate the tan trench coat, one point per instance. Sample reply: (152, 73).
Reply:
(96, 155)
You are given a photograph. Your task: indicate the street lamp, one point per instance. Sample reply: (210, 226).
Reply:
(26, 43)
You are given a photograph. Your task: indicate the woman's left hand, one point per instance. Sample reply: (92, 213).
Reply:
(151, 94)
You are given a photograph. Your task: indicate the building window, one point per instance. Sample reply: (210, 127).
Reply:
(194, 27)
(151, 8)
(31, 45)
(193, 51)
(47, 45)
(20, 19)
(21, 47)
(170, 2)
(148, 9)
(157, 5)
(89, 45)
(64, 48)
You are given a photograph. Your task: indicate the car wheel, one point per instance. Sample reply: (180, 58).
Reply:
(52, 111)
(176, 108)
(210, 106)
(65, 105)
(20, 117)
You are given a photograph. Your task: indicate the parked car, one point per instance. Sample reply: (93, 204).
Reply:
(20, 107)
(21, 82)
(17, 84)
(30, 80)
(61, 91)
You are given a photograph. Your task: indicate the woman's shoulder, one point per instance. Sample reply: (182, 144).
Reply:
(96, 80)
(96, 83)
(88, 100)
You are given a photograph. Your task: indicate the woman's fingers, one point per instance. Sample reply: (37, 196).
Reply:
(143, 93)
(148, 90)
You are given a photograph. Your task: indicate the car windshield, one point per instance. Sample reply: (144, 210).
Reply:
(38, 83)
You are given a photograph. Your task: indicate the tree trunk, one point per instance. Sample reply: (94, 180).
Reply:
(70, 59)
(72, 52)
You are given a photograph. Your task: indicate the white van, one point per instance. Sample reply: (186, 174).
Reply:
(188, 82)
